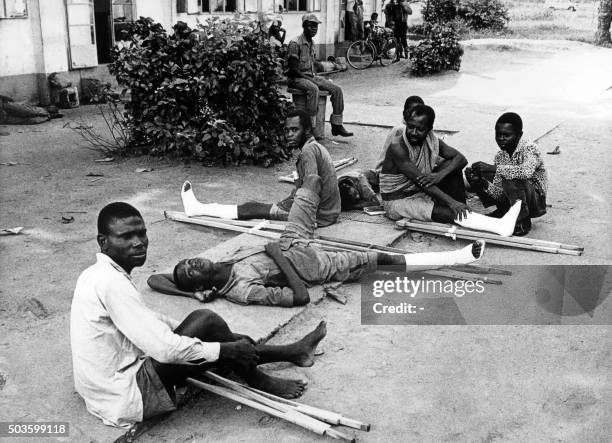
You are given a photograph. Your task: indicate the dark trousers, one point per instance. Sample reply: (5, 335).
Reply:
(311, 87)
(453, 185)
(533, 200)
(400, 31)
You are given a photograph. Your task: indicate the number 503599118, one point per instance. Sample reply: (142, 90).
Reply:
(34, 429)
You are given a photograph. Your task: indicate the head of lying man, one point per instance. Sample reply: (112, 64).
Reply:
(196, 275)
(349, 194)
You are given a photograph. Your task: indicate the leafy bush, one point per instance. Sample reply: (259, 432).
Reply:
(209, 93)
(485, 14)
(439, 11)
(440, 51)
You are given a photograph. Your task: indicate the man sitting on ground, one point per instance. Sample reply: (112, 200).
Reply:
(312, 159)
(411, 187)
(518, 173)
(127, 359)
(302, 75)
(277, 276)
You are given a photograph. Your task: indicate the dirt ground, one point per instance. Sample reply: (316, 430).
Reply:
(428, 383)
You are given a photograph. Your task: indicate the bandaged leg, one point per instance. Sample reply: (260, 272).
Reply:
(503, 226)
(433, 260)
(193, 207)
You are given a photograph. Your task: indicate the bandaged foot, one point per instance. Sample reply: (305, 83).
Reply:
(193, 207)
(433, 260)
(502, 226)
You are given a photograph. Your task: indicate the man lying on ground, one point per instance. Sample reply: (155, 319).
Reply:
(277, 276)
(356, 191)
(127, 358)
(312, 159)
(413, 187)
(517, 173)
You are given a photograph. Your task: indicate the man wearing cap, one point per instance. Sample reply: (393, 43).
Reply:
(302, 75)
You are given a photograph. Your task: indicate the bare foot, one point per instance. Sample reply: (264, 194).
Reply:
(306, 346)
(278, 386)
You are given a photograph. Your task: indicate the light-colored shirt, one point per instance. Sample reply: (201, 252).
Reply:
(111, 333)
(256, 279)
(303, 50)
(525, 163)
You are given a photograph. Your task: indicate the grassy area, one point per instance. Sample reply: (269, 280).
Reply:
(533, 20)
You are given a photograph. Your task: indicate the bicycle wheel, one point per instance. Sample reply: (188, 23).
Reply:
(389, 51)
(360, 54)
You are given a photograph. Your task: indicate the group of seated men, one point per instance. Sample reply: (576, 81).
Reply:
(128, 359)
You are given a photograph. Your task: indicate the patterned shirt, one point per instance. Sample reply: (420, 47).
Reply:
(303, 50)
(525, 163)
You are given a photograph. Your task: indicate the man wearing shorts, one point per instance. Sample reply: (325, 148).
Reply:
(414, 184)
(127, 359)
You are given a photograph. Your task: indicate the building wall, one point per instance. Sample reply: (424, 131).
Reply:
(21, 54)
(32, 48)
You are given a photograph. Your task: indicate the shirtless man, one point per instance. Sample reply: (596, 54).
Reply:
(127, 359)
(413, 187)
(313, 159)
(277, 275)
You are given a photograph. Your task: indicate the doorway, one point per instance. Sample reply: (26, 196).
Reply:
(104, 37)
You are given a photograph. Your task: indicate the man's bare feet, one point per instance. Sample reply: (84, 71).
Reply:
(278, 386)
(306, 346)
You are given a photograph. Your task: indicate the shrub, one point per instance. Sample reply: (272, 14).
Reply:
(485, 14)
(439, 11)
(209, 93)
(440, 51)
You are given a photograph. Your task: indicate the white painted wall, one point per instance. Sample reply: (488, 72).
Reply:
(158, 10)
(20, 43)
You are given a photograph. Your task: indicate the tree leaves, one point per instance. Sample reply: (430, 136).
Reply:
(209, 93)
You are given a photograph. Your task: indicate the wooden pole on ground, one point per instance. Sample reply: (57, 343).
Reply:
(274, 409)
(320, 414)
(488, 235)
(536, 245)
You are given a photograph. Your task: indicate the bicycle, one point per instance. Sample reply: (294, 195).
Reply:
(383, 47)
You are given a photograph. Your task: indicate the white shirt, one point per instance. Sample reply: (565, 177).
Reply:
(111, 332)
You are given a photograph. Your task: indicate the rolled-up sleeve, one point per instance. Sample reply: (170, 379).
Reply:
(149, 333)
(270, 295)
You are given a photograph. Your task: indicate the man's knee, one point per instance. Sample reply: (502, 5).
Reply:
(334, 90)
(513, 185)
(204, 319)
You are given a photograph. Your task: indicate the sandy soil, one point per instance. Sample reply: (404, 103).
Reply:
(516, 383)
